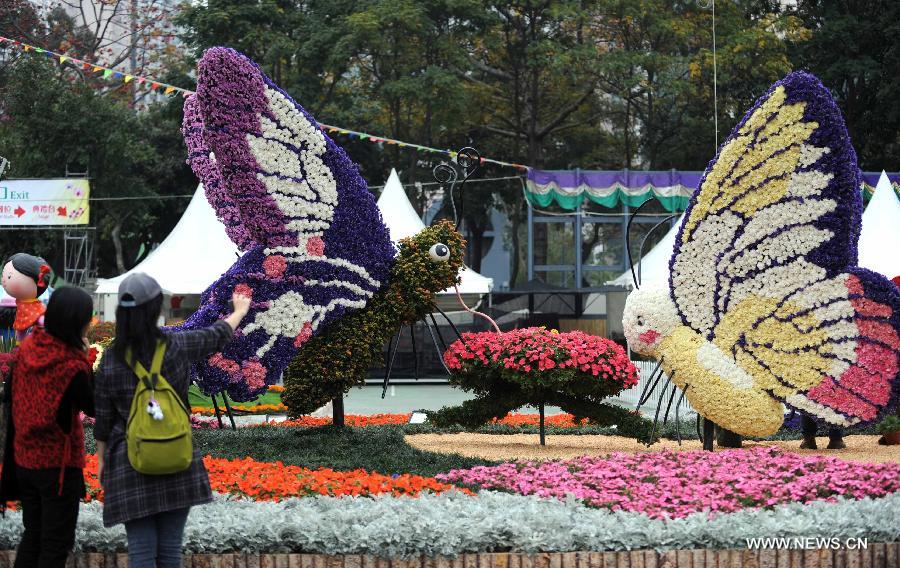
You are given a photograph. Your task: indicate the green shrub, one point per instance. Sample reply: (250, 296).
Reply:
(891, 423)
(339, 358)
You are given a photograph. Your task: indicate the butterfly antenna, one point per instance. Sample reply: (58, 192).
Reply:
(648, 390)
(392, 352)
(647, 237)
(634, 214)
(473, 312)
(445, 173)
(469, 160)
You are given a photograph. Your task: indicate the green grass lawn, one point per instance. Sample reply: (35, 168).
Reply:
(380, 449)
(197, 398)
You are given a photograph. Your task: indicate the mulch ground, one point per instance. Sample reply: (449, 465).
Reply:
(526, 446)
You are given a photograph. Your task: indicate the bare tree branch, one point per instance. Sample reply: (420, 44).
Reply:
(565, 113)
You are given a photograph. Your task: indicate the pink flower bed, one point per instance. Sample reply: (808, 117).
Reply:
(668, 484)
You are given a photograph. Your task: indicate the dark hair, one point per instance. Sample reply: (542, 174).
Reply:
(69, 311)
(33, 266)
(136, 329)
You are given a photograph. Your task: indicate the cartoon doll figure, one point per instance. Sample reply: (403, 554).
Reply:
(25, 278)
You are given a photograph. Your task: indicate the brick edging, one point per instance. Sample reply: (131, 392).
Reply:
(877, 555)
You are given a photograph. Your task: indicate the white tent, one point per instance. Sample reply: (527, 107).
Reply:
(198, 250)
(403, 221)
(653, 267)
(192, 257)
(879, 242)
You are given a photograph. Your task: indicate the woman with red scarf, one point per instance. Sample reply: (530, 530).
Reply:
(51, 382)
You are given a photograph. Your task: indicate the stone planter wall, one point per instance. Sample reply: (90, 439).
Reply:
(878, 555)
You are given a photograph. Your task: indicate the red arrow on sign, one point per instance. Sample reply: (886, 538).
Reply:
(19, 211)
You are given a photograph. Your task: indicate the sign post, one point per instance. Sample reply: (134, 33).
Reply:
(44, 202)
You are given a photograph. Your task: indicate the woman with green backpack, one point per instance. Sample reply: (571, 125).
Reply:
(150, 472)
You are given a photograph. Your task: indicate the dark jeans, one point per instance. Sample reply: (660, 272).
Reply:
(156, 541)
(49, 518)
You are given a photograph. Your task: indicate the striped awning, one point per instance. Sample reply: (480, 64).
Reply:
(609, 188)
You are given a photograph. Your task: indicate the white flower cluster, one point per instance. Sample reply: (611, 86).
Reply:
(810, 154)
(290, 154)
(800, 402)
(724, 366)
(770, 219)
(694, 271)
(775, 282)
(788, 245)
(284, 317)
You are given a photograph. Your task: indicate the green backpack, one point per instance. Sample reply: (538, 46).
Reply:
(158, 432)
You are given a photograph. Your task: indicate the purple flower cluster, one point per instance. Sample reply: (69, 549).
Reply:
(216, 192)
(231, 98)
(667, 484)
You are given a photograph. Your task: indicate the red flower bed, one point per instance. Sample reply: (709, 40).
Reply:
(543, 353)
(264, 481)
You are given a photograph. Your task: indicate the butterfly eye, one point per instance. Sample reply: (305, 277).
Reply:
(439, 252)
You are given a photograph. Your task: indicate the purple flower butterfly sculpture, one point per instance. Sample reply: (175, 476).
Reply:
(314, 244)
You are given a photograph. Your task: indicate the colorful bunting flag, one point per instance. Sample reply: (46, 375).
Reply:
(170, 89)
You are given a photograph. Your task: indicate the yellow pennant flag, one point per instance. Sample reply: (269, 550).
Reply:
(62, 58)
(97, 68)
(128, 78)
(170, 90)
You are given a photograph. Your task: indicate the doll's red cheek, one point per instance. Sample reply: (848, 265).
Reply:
(649, 337)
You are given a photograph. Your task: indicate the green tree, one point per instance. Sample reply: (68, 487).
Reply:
(65, 126)
(854, 48)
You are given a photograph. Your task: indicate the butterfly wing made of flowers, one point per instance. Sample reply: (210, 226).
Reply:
(315, 246)
(764, 263)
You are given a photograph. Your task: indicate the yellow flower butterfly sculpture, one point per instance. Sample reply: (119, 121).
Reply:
(766, 307)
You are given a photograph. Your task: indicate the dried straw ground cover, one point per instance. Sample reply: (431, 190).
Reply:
(863, 448)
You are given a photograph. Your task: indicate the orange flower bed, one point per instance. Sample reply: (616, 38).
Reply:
(255, 409)
(512, 419)
(264, 481)
(349, 420)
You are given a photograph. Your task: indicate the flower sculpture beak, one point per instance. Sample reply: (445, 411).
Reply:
(649, 337)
